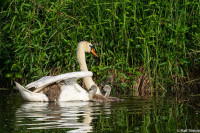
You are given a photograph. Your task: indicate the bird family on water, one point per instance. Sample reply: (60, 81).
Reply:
(64, 87)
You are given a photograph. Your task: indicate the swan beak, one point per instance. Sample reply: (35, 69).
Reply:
(92, 51)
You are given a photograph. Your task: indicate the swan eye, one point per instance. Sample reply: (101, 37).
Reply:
(91, 47)
(92, 50)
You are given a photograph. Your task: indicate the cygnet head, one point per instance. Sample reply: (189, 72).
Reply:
(96, 97)
(87, 47)
(93, 90)
(107, 88)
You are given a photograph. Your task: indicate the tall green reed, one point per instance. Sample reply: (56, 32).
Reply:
(40, 38)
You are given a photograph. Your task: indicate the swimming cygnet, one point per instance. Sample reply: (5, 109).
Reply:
(53, 92)
(107, 89)
(96, 97)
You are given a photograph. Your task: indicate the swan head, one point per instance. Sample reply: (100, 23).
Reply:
(96, 97)
(87, 46)
(107, 88)
(93, 90)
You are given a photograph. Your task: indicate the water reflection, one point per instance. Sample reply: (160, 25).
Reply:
(135, 114)
(79, 116)
(76, 116)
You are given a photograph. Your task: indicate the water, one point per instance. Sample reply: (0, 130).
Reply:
(135, 114)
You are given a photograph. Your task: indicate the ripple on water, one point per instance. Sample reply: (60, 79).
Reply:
(135, 114)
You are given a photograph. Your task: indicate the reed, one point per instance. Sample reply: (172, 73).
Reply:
(40, 38)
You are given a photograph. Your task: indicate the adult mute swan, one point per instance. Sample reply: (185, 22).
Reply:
(48, 87)
(82, 48)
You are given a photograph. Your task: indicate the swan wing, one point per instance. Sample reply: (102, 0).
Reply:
(67, 77)
(30, 96)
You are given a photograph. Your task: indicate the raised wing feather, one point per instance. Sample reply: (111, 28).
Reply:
(67, 77)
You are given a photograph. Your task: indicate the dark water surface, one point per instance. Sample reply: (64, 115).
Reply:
(136, 114)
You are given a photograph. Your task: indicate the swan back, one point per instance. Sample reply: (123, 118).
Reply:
(67, 77)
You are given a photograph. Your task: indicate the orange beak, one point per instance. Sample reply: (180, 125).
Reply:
(92, 51)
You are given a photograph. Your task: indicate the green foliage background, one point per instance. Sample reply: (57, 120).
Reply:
(39, 37)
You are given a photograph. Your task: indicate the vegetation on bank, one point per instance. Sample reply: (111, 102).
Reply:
(159, 40)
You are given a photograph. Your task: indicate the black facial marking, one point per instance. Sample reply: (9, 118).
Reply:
(91, 46)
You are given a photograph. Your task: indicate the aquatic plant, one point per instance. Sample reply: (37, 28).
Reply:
(40, 38)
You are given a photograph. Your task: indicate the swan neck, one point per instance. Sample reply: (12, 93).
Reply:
(81, 58)
(83, 66)
(107, 93)
(90, 96)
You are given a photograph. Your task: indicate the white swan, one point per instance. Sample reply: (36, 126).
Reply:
(82, 48)
(70, 89)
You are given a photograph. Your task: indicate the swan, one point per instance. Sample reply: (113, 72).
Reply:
(65, 85)
(81, 49)
(100, 98)
(107, 89)
(96, 97)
